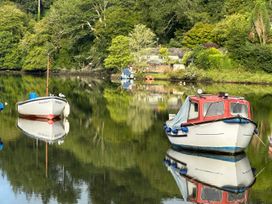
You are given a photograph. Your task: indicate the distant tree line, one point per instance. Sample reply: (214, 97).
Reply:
(84, 33)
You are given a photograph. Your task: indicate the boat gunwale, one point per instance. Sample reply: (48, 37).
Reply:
(218, 120)
(41, 98)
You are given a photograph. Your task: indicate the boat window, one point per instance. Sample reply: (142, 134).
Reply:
(192, 190)
(213, 108)
(239, 109)
(193, 111)
(235, 197)
(211, 194)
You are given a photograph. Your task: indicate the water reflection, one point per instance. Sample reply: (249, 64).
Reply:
(203, 177)
(50, 131)
(127, 84)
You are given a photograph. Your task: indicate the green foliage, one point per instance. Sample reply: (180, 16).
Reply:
(13, 25)
(120, 55)
(113, 21)
(186, 57)
(141, 37)
(229, 31)
(36, 59)
(231, 7)
(199, 34)
(254, 57)
(260, 21)
(164, 53)
(211, 58)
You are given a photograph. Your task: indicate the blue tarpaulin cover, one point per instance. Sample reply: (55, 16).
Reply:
(127, 72)
(181, 116)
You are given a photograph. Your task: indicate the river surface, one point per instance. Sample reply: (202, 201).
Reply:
(115, 145)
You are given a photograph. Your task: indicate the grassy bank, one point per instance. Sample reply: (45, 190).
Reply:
(239, 75)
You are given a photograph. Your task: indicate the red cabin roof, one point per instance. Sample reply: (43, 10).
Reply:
(214, 107)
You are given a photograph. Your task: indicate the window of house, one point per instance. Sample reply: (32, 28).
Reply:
(213, 108)
(193, 111)
(239, 109)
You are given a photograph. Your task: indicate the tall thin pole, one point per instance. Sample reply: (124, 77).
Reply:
(47, 74)
(46, 159)
(39, 10)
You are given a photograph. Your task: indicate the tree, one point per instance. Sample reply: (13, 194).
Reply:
(140, 39)
(260, 21)
(65, 33)
(120, 55)
(199, 34)
(13, 25)
(113, 21)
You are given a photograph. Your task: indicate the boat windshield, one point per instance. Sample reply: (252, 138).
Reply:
(239, 109)
(213, 108)
(211, 194)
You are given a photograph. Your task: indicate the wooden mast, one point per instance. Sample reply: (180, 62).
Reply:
(47, 73)
(47, 93)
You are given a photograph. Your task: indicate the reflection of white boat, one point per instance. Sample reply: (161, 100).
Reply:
(214, 123)
(47, 130)
(207, 178)
(127, 83)
(44, 107)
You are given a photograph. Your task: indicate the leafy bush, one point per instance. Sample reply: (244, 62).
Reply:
(254, 57)
(120, 55)
(199, 34)
(186, 59)
(211, 58)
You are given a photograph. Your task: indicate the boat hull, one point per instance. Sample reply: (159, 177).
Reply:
(219, 136)
(42, 107)
(44, 130)
(229, 173)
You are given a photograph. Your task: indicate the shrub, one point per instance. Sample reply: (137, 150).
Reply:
(211, 58)
(254, 57)
(201, 33)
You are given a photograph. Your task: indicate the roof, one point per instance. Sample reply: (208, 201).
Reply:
(207, 97)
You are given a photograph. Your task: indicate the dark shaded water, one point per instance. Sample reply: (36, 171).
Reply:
(115, 147)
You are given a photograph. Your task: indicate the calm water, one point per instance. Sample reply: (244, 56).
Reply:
(115, 147)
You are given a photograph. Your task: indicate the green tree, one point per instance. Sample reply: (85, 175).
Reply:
(140, 38)
(260, 21)
(13, 25)
(65, 33)
(120, 55)
(201, 33)
(112, 21)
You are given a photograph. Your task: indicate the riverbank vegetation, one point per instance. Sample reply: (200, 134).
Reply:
(213, 36)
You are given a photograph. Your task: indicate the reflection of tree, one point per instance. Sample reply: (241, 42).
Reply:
(139, 117)
(124, 108)
(18, 162)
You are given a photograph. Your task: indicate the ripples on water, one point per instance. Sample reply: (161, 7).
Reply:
(115, 147)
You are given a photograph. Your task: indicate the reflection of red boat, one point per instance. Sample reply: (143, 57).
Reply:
(207, 178)
(212, 122)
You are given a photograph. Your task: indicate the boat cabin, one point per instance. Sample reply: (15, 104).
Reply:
(201, 193)
(204, 108)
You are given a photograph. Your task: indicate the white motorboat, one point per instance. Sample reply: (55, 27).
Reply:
(44, 107)
(212, 123)
(44, 130)
(208, 178)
